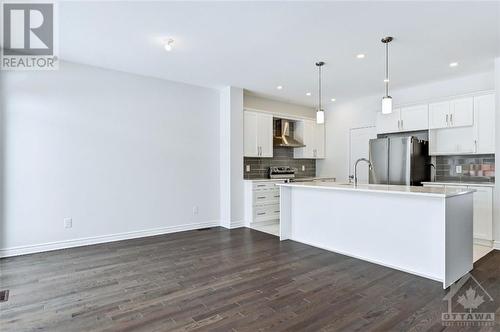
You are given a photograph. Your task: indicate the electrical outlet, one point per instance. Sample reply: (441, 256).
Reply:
(195, 210)
(247, 168)
(68, 223)
(303, 168)
(458, 169)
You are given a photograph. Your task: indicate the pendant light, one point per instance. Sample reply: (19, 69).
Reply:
(320, 113)
(386, 100)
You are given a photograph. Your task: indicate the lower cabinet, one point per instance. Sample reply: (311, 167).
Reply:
(483, 211)
(262, 201)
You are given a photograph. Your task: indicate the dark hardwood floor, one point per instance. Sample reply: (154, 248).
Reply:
(221, 280)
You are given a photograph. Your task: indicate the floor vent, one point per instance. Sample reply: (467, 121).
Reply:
(4, 295)
(204, 229)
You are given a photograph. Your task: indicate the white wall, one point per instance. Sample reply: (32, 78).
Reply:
(116, 152)
(231, 157)
(362, 113)
(274, 106)
(496, 196)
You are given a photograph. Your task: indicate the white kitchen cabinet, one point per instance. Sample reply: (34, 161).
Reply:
(451, 114)
(257, 134)
(484, 120)
(261, 202)
(409, 118)
(483, 213)
(483, 210)
(313, 136)
(414, 118)
(439, 114)
(389, 123)
(451, 141)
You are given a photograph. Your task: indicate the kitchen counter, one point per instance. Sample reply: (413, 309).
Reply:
(296, 179)
(460, 183)
(382, 189)
(420, 230)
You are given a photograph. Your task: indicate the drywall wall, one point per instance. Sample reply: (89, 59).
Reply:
(231, 157)
(274, 106)
(496, 196)
(361, 112)
(120, 154)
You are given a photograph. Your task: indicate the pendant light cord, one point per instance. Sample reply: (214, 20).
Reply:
(387, 69)
(320, 88)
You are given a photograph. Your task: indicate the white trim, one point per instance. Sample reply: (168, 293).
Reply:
(30, 249)
(279, 115)
(482, 242)
(233, 224)
(496, 245)
(370, 260)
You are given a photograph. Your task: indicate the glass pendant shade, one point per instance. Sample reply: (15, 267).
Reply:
(387, 105)
(320, 117)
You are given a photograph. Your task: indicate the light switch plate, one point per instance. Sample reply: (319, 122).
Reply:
(458, 169)
(68, 223)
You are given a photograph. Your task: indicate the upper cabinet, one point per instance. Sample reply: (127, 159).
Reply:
(451, 114)
(258, 134)
(403, 119)
(313, 137)
(469, 126)
(484, 118)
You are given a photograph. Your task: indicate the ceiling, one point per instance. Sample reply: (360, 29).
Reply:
(260, 45)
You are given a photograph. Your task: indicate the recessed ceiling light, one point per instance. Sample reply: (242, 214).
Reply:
(453, 64)
(360, 56)
(279, 87)
(169, 45)
(333, 99)
(308, 93)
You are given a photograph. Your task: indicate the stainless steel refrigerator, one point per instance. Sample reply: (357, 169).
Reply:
(399, 161)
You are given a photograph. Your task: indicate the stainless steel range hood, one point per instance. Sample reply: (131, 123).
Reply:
(283, 134)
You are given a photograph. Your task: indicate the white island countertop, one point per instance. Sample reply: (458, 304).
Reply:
(382, 189)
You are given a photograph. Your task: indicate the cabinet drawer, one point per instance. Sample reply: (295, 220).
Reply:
(266, 212)
(264, 185)
(266, 197)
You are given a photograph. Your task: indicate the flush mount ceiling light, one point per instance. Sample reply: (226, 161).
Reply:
(387, 100)
(308, 94)
(279, 87)
(360, 56)
(169, 44)
(320, 113)
(453, 64)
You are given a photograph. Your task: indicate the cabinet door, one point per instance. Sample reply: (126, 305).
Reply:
(265, 135)
(389, 123)
(439, 114)
(250, 144)
(415, 118)
(483, 213)
(451, 141)
(320, 141)
(484, 123)
(462, 112)
(304, 132)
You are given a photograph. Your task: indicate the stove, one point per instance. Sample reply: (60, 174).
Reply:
(281, 172)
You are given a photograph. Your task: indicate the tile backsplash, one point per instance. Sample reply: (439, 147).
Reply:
(259, 167)
(474, 168)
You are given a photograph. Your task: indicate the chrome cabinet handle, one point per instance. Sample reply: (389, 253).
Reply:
(261, 197)
(451, 119)
(475, 146)
(399, 124)
(447, 120)
(261, 213)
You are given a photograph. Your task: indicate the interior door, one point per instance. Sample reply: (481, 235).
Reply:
(250, 145)
(359, 139)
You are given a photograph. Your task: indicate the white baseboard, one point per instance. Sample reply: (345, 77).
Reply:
(31, 249)
(481, 242)
(233, 224)
(496, 245)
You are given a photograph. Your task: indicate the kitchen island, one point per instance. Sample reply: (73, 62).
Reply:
(419, 230)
